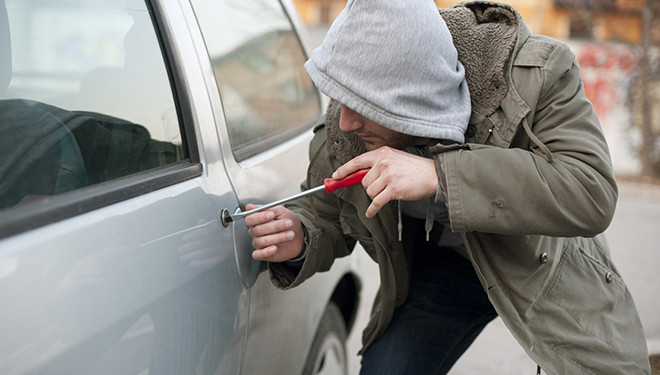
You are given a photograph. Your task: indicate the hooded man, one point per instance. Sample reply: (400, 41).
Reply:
(478, 203)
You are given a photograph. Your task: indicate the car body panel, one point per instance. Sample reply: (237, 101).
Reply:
(266, 177)
(88, 295)
(101, 279)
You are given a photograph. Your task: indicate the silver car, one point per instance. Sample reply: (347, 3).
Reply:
(127, 128)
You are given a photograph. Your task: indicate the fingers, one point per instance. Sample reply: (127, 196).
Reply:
(269, 227)
(276, 234)
(274, 249)
(259, 217)
(263, 216)
(378, 202)
(366, 160)
(380, 183)
(263, 236)
(265, 254)
(379, 158)
(393, 175)
(377, 189)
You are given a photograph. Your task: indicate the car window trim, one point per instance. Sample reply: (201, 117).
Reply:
(49, 210)
(174, 68)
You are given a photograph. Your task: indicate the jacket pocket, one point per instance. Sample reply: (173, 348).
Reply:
(592, 294)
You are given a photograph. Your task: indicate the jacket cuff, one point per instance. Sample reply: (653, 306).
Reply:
(441, 191)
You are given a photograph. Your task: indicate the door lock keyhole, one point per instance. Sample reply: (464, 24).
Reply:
(225, 217)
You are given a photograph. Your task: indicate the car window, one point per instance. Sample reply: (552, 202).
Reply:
(85, 96)
(258, 62)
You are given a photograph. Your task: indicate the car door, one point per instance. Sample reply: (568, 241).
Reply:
(268, 102)
(112, 257)
(266, 106)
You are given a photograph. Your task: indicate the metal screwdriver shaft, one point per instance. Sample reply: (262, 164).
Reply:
(329, 185)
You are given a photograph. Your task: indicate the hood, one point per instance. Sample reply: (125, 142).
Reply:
(485, 35)
(394, 62)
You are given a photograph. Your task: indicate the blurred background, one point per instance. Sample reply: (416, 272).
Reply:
(617, 44)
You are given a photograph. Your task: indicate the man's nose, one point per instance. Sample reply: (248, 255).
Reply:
(349, 120)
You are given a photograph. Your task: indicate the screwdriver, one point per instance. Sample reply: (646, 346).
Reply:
(329, 185)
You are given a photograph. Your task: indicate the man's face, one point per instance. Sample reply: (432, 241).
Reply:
(373, 134)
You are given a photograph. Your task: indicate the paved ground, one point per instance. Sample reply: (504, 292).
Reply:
(634, 237)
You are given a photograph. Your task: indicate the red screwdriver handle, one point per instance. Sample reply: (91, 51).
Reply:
(352, 179)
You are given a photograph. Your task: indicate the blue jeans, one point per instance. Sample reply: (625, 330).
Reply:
(446, 309)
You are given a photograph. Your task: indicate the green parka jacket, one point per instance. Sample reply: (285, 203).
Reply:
(531, 190)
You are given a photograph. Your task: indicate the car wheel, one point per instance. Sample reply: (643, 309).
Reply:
(328, 352)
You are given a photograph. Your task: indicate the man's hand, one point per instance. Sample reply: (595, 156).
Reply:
(277, 234)
(394, 174)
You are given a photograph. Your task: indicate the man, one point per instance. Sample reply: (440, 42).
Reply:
(476, 204)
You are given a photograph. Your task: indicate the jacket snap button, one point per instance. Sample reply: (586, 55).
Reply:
(543, 258)
(608, 277)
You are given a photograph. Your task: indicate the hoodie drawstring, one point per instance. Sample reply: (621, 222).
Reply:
(399, 225)
(430, 218)
(428, 224)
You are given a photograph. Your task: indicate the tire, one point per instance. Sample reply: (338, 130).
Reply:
(327, 355)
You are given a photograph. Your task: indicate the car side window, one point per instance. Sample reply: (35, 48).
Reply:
(85, 96)
(258, 63)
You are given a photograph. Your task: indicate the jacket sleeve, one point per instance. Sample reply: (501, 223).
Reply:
(519, 192)
(320, 217)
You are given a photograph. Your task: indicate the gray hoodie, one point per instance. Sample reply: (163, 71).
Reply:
(403, 73)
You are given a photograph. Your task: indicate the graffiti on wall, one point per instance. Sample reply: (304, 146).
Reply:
(607, 74)
(610, 73)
